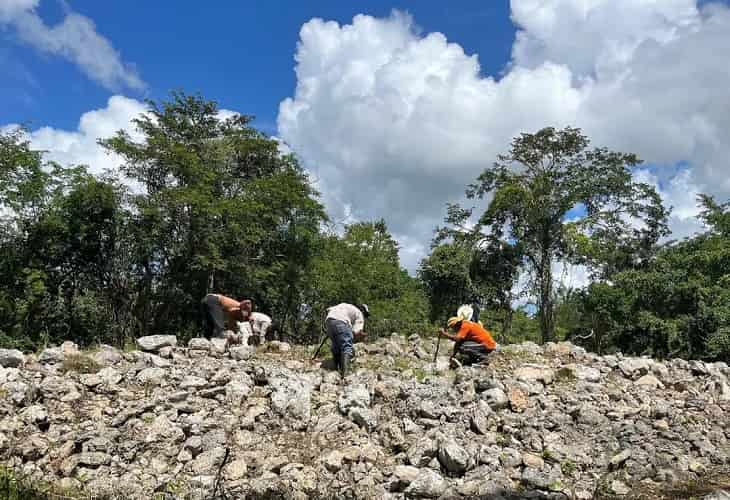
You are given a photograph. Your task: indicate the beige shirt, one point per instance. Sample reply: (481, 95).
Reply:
(261, 322)
(348, 314)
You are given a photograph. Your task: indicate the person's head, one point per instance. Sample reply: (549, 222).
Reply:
(364, 309)
(454, 322)
(246, 307)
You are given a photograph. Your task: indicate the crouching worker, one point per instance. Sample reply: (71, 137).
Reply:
(260, 327)
(221, 314)
(473, 341)
(345, 323)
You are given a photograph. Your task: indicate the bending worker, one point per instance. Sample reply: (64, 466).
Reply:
(223, 313)
(473, 341)
(345, 323)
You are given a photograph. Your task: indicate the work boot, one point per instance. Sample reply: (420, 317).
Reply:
(345, 365)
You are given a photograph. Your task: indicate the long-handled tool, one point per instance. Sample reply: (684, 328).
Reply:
(324, 337)
(436, 354)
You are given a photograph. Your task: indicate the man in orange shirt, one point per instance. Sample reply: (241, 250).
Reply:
(473, 341)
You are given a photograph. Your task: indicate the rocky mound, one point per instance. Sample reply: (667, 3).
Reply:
(206, 421)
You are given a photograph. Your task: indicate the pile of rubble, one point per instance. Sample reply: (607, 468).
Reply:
(207, 421)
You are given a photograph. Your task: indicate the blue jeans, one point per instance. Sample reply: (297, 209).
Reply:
(341, 336)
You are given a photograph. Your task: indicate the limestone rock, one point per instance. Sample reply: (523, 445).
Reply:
(154, 343)
(428, 484)
(11, 358)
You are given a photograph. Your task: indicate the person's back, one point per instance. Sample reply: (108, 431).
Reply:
(474, 332)
(349, 314)
(344, 323)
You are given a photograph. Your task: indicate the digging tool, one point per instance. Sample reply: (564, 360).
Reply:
(436, 354)
(324, 337)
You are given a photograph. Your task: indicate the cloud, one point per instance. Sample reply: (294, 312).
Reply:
(395, 124)
(75, 39)
(79, 147)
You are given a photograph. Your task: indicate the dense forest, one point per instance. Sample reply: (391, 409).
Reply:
(203, 203)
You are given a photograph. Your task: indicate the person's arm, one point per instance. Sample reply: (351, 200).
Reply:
(447, 335)
(359, 322)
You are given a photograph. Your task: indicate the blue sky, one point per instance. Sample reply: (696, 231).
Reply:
(392, 114)
(239, 53)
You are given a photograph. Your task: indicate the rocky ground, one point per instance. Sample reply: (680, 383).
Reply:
(205, 421)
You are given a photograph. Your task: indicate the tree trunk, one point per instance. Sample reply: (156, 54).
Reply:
(545, 303)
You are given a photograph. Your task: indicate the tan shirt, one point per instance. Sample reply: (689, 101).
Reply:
(348, 314)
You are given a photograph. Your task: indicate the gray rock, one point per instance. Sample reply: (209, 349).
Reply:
(51, 355)
(649, 381)
(207, 463)
(354, 396)
(535, 373)
(403, 476)
(11, 358)
(199, 344)
(619, 488)
(544, 480)
(717, 495)
(242, 352)
(154, 343)
(496, 398)
(364, 417)
(619, 459)
(634, 367)
(422, 451)
(291, 398)
(152, 376)
(453, 457)
(428, 484)
(93, 459)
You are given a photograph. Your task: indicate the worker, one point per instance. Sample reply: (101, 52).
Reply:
(345, 324)
(473, 343)
(223, 314)
(260, 326)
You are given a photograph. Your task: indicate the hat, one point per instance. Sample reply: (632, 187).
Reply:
(365, 309)
(453, 321)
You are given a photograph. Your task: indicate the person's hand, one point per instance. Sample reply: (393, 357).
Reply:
(442, 332)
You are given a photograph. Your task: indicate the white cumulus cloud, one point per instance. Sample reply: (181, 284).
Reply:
(75, 38)
(394, 123)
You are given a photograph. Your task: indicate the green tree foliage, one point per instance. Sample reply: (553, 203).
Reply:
(447, 278)
(213, 207)
(533, 188)
(222, 210)
(362, 266)
(677, 305)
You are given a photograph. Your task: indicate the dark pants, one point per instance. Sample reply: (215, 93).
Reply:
(471, 352)
(340, 334)
(214, 319)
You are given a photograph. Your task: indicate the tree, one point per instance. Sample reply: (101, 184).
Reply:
(534, 187)
(446, 275)
(363, 266)
(678, 304)
(222, 210)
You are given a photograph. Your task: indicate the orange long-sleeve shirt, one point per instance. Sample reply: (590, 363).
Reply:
(475, 332)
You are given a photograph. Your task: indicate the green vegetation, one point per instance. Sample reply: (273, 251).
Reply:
(79, 363)
(216, 207)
